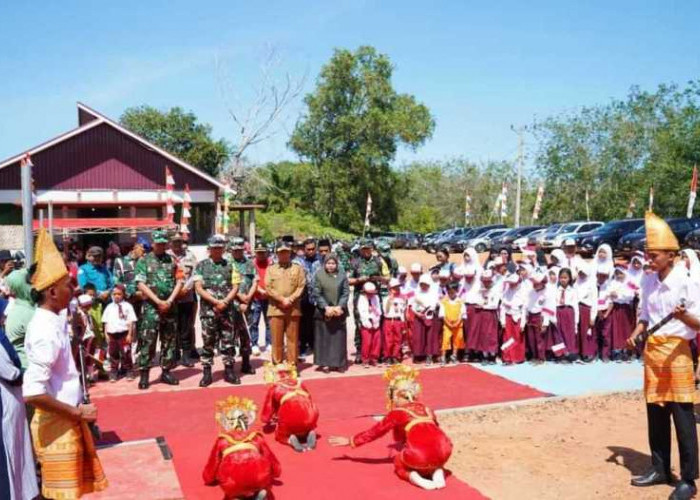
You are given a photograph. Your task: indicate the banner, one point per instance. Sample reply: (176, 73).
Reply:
(693, 191)
(368, 210)
(651, 198)
(630, 208)
(467, 208)
(538, 203)
(504, 201)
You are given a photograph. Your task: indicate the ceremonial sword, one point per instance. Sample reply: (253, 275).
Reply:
(641, 338)
(94, 429)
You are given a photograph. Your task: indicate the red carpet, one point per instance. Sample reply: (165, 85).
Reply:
(186, 419)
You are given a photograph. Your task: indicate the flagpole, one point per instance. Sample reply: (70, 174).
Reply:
(27, 209)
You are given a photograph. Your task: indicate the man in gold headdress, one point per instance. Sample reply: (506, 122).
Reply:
(670, 299)
(62, 441)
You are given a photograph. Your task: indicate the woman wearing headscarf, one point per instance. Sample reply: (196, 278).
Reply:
(17, 472)
(20, 313)
(331, 293)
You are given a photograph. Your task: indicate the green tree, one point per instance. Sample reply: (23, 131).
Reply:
(354, 123)
(179, 133)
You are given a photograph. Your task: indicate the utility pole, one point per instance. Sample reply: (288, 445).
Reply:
(27, 208)
(519, 131)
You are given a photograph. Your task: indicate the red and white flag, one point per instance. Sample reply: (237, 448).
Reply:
(630, 208)
(651, 198)
(368, 210)
(693, 191)
(538, 203)
(169, 185)
(504, 200)
(467, 208)
(185, 218)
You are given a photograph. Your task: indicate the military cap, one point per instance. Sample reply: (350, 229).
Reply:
(159, 237)
(366, 243)
(237, 243)
(177, 237)
(217, 241)
(260, 247)
(283, 246)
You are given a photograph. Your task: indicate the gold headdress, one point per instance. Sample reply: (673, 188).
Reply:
(274, 372)
(50, 267)
(402, 381)
(235, 413)
(659, 234)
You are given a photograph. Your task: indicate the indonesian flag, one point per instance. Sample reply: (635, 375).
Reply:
(651, 198)
(630, 208)
(368, 210)
(538, 203)
(169, 185)
(467, 208)
(169, 179)
(185, 217)
(504, 200)
(219, 221)
(693, 191)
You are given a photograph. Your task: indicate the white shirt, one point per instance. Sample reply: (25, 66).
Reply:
(567, 297)
(541, 302)
(659, 298)
(369, 310)
(513, 303)
(115, 324)
(491, 297)
(471, 291)
(623, 290)
(51, 369)
(587, 292)
(395, 307)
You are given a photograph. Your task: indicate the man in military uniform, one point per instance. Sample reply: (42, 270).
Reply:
(157, 279)
(285, 283)
(367, 267)
(390, 266)
(214, 283)
(186, 302)
(246, 276)
(125, 273)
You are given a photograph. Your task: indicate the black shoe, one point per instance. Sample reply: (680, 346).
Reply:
(186, 360)
(651, 478)
(230, 375)
(246, 367)
(206, 376)
(358, 359)
(143, 381)
(684, 491)
(194, 354)
(167, 378)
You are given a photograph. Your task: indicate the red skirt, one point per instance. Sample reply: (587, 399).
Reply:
(621, 325)
(604, 332)
(515, 353)
(535, 338)
(566, 326)
(425, 339)
(486, 331)
(589, 343)
(469, 324)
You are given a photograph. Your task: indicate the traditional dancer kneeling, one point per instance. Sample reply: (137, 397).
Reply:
(425, 448)
(289, 403)
(240, 461)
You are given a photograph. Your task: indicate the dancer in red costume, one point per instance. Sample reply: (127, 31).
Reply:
(424, 447)
(240, 461)
(289, 403)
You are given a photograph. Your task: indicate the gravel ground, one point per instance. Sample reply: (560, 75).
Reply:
(575, 448)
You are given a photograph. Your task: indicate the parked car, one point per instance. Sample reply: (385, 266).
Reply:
(609, 233)
(636, 240)
(507, 239)
(692, 239)
(430, 240)
(483, 243)
(571, 230)
(522, 242)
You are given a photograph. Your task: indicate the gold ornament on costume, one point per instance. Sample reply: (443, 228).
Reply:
(50, 267)
(659, 234)
(274, 372)
(234, 413)
(402, 382)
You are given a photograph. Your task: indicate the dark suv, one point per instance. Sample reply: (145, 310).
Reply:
(635, 241)
(506, 239)
(610, 233)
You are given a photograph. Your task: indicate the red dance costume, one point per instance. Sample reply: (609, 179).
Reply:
(242, 464)
(290, 401)
(424, 446)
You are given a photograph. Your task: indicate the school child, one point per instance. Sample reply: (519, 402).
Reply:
(453, 313)
(605, 305)
(541, 317)
(119, 321)
(370, 312)
(394, 324)
(486, 330)
(424, 342)
(622, 315)
(567, 317)
(587, 293)
(512, 319)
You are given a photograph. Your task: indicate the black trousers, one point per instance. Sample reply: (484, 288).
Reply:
(306, 327)
(185, 326)
(659, 419)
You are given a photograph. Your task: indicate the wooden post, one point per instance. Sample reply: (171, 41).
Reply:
(241, 223)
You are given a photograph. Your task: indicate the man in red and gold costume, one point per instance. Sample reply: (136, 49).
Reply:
(424, 447)
(240, 461)
(289, 403)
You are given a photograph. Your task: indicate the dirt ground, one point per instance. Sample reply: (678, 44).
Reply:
(574, 449)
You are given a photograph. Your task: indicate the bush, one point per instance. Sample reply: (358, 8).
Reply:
(297, 223)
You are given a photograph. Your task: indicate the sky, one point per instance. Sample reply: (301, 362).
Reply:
(480, 67)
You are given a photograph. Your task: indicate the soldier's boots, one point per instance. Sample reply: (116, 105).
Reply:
(186, 360)
(206, 377)
(247, 368)
(230, 375)
(167, 378)
(143, 381)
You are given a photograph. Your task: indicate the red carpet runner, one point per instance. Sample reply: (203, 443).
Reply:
(346, 405)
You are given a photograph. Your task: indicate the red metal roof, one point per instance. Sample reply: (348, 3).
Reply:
(116, 222)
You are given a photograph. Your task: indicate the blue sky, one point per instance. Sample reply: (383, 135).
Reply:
(479, 66)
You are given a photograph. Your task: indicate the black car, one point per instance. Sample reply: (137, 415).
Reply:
(692, 239)
(636, 240)
(506, 240)
(461, 244)
(452, 237)
(610, 233)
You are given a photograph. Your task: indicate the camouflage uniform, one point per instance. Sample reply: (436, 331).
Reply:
(244, 273)
(390, 268)
(359, 268)
(159, 274)
(125, 274)
(216, 327)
